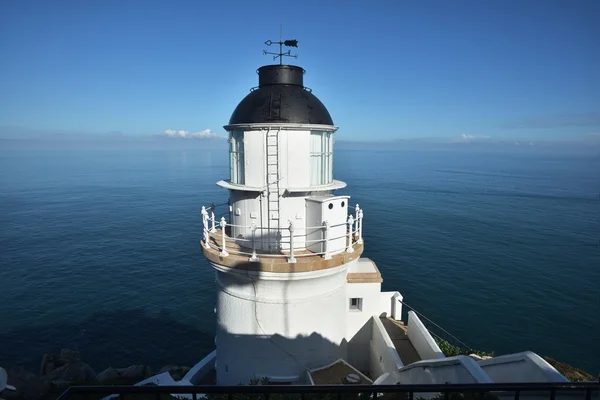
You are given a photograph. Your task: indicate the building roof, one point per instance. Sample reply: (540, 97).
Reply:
(281, 98)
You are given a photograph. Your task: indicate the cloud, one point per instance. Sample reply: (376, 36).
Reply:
(554, 121)
(206, 133)
(465, 138)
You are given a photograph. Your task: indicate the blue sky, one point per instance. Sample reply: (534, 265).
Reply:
(455, 70)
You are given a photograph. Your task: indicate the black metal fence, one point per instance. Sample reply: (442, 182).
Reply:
(580, 390)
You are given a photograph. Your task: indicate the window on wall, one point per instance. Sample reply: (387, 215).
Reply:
(236, 156)
(321, 158)
(356, 304)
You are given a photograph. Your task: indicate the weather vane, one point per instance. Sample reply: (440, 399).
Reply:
(281, 43)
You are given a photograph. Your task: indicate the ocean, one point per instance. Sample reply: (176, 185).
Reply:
(100, 248)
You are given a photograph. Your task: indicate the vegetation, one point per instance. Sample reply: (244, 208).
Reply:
(450, 350)
(571, 373)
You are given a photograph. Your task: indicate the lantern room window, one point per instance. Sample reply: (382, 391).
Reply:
(236, 157)
(321, 158)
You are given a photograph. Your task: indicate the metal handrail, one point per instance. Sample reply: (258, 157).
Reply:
(352, 236)
(467, 347)
(513, 389)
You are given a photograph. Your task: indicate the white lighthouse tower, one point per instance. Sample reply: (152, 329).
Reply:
(287, 251)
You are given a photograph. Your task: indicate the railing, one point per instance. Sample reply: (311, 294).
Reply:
(284, 239)
(584, 390)
(440, 333)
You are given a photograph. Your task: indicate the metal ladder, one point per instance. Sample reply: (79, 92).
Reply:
(273, 179)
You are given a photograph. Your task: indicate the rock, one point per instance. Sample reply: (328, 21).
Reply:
(135, 372)
(48, 364)
(176, 372)
(476, 357)
(29, 386)
(68, 355)
(70, 373)
(109, 375)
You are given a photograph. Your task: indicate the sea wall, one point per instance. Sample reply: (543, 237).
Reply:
(421, 339)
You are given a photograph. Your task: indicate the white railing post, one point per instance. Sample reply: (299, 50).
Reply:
(326, 256)
(212, 212)
(359, 223)
(292, 259)
(357, 209)
(205, 227)
(223, 252)
(350, 249)
(254, 258)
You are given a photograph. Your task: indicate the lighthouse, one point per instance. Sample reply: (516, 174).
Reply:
(293, 290)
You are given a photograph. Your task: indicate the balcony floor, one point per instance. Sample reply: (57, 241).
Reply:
(277, 261)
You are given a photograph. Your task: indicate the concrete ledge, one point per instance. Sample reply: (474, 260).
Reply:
(365, 277)
(279, 263)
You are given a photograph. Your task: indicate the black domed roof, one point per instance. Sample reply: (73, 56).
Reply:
(281, 98)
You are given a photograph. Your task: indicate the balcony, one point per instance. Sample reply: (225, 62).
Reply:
(288, 249)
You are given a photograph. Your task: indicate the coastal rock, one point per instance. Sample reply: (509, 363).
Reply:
(28, 385)
(109, 375)
(176, 372)
(48, 364)
(68, 355)
(70, 373)
(135, 372)
(477, 357)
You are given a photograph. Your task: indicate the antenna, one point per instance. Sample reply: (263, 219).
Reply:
(281, 43)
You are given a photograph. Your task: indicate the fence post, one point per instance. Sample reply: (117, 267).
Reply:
(359, 223)
(350, 249)
(254, 258)
(357, 208)
(292, 259)
(223, 252)
(212, 211)
(326, 256)
(205, 227)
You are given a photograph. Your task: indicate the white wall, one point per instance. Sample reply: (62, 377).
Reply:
(251, 206)
(369, 293)
(294, 158)
(421, 339)
(296, 165)
(245, 208)
(520, 367)
(254, 158)
(459, 369)
(278, 324)
(391, 305)
(293, 208)
(359, 330)
(383, 356)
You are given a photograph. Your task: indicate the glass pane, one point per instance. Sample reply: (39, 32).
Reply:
(236, 156)
(321, 153)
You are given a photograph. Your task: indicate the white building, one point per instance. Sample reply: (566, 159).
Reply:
(295, 296)
(296, 301)
(284, 302)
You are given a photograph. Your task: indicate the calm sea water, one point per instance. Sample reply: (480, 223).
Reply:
(100, 249)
